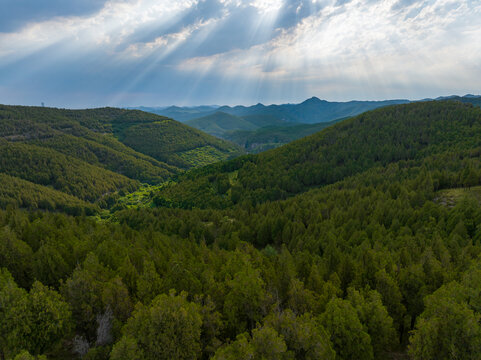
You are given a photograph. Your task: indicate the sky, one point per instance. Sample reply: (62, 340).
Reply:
(92, 53)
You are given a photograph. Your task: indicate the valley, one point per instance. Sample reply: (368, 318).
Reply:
(120, 231)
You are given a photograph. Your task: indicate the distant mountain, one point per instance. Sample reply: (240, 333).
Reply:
(467, 99)
(181, 114)
(310, 111)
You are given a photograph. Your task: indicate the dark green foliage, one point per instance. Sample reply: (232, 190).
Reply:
(270, 137)
(448, 328)
(25, 194)
(76, 153)
(167, 140)
(35, 321)
(169, 328)
(347, 335)
(63, 173)
(376, 265)
(219, 123)
(376, 138)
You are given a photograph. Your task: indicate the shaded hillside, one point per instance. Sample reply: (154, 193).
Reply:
(179, 113)
(372, 139)
(271, 137)
(219, 123)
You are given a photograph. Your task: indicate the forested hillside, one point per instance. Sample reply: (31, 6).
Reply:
(348, 244)
(271, 137)
(375, 138)
(91, 154)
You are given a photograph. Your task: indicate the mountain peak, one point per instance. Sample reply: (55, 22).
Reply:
(314, 100)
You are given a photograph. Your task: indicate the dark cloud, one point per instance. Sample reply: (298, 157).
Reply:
(15, 14)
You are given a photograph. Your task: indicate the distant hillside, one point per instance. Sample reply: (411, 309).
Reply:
(219, 123)
(179, 113)
(310, 111)
(467, 99)
(91, 154)
(270, 137)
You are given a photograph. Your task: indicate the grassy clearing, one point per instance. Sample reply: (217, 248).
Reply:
(450, 197)
(202, 156)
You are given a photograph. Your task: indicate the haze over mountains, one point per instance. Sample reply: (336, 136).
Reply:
(259, 127)
(313, 110)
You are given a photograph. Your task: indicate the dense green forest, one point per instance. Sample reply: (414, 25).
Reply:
(362, 241)
(94, 155)
(271, 137)
(255, 133)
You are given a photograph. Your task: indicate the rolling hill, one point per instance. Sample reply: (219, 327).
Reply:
(375, 138)
(271, 137)
(219, 123)
(361, 241)
(91, 154)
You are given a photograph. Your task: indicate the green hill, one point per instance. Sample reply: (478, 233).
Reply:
(271, 137)
(91, 154)
(219, 123)
(375, 138)
(174, 143)
(362, 241)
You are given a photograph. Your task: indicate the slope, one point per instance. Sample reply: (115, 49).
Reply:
(78, 152)
(271, 137)
(375, 138)
(219, 123)
(371, 266)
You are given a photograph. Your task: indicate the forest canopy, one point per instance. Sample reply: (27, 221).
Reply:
(362, 241)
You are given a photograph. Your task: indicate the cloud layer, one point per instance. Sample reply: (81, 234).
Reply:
(157, 52)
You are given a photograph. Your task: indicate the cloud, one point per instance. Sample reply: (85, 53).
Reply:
(16, 14)
(364, 40)
(250, 50)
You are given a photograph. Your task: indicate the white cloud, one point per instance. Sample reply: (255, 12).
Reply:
(364, 40)
(318, 47)
(108, 28)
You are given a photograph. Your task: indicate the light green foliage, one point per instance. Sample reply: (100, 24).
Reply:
(126, 349)
(304, 336)
(25, 355)
(170, 328)
(149, 283)
(375, 319)
(245, 300)
(14, 313)
(448, 328)
(349, 339)
(265, 344)
(50, 318)
(35, 321)
(171, 142)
